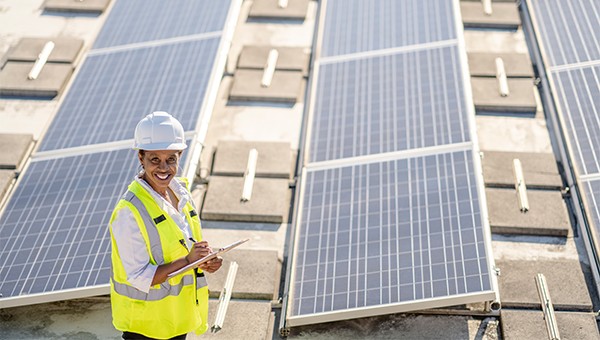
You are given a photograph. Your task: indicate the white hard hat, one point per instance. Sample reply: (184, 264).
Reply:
(159, 131)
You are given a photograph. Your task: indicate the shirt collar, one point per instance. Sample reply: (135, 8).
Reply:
(176, 186)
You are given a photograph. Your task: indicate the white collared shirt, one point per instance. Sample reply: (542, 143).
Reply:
(130, 242)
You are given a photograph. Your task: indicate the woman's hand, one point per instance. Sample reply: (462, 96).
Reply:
(198, 251)
(212, 265)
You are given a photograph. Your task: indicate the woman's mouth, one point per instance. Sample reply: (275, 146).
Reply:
(162, 177)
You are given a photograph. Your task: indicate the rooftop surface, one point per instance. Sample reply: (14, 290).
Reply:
(255, 310)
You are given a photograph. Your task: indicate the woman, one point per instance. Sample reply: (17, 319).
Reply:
(155, 230)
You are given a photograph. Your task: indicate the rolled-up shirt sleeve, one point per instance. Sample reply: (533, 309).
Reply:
(133, 251)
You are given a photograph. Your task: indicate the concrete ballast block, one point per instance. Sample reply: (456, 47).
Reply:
(274, 159)
(50, 82)
(257, 276)
(87, 6)
(515, 64)
(290, 58)
(269, 203)
(565, 278)
(523, 324)
(539, 169)
(486, 95)
(504, 15)
(244, 320)
(65, 50)
(286, 86)
(14, 148)
(269, 9)
(547, 213)
(6, 178)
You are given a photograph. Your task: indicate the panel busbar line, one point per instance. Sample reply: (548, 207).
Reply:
(388, 103)
(353, 26)
(112, 92)
(397, 232)
(138, 21)
(569, 30)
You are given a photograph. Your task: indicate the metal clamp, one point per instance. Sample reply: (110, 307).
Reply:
(41, 61)
(520, 185)
(249, 175)
(269, 68)
(224, 298)
(501, 76)
(547, 307)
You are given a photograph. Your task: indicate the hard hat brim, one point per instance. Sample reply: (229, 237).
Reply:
(160, 146)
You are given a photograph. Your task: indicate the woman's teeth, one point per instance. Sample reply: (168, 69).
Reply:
(163, 177)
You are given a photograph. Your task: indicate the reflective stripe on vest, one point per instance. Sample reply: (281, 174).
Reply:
(155, 245)
(155, 294)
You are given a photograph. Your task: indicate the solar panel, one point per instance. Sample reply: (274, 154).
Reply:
(135, 21)
(569, 30)
(53, 233)
(577, 92)
(388, 103)
(357, 25)
(389, 233)
(112, 92)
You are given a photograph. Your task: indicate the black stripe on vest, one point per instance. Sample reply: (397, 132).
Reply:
(193, 213)
(159, 219)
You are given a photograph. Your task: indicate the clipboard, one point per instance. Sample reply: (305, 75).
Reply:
(207, 257)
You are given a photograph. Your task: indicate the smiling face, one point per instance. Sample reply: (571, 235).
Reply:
(159, 167)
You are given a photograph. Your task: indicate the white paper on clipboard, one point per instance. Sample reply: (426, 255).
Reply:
(207, 258)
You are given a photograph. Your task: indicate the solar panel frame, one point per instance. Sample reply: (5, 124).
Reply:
(139, 21)
(386, 31)
(362, 103)
(564, 41)
(98, 107)
(377, 218)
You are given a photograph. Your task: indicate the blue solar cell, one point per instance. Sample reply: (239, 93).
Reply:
(53, 232)
(569, 30)
(577, 92)
(135, 21)
(389, 103)
(389, 232)
(591, 192)
(112, 92)
(357, 25)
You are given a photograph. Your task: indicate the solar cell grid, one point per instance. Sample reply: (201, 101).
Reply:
(577, 92)
(134, 21)
(353, 26)
(112, 92)
(389, 232)
(53, 233)
(570, 30)
(388, 103)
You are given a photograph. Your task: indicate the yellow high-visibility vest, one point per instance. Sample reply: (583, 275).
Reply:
(178, 305)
